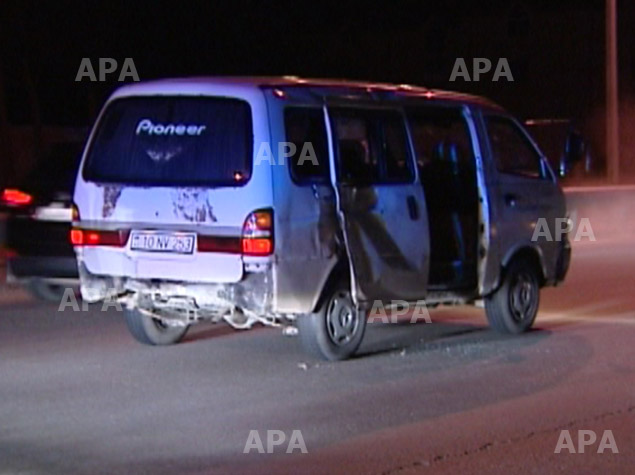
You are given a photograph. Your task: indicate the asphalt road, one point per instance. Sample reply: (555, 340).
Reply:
(78, 395)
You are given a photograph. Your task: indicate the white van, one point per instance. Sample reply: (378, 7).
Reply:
(306, 202)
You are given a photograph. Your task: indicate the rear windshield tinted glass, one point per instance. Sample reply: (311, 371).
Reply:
(182, 141)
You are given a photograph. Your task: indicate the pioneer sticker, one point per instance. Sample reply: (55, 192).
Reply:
(146, 126)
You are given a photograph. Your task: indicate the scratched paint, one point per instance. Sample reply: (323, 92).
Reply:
(193, 205)
(111, 195)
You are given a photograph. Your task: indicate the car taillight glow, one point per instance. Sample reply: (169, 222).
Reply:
(257, 235)
(257, 247)
(15, 197)
(77, 237)
(94, 237)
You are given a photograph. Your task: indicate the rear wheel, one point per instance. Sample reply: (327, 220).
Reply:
(336, 330)
(152, 331)
(513, 307)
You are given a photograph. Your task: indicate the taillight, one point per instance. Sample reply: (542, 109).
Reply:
(96, 237)
(257, 246)
(77, 237)
(257, 235)
(13, 197)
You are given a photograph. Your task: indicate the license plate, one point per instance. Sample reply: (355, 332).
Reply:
(179, 243)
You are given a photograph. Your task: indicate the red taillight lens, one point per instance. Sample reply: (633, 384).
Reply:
(8, 253)
(257, 247)
(77, 237)
(14, 197)
(257, 236)
(91, 237)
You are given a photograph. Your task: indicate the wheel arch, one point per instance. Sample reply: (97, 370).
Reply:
(338, 272)
(532, 254)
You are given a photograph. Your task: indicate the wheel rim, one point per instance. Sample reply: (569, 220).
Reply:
(523, 297)
(342, 319)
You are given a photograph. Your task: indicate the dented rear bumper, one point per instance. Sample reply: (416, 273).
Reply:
(252, 294)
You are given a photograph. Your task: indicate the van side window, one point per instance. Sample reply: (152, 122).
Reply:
(397, 168)
(304, 128)
(441, 138)
(511, 150)
(372, 147)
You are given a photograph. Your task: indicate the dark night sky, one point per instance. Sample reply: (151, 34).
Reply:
(555, 49)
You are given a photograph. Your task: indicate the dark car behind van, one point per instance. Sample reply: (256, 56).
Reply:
(38, 250)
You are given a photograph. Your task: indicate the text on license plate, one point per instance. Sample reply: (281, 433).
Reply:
(179, 243)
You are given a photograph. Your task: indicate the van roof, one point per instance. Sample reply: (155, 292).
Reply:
(331, 87)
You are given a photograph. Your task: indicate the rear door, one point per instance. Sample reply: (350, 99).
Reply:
(177, 173)
(381, 206)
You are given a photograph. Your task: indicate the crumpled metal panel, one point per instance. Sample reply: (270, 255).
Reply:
(97, 288)
(254, 293)
(389, 252)
(306, 226)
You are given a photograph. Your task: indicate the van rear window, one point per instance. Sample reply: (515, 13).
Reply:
(172, 140)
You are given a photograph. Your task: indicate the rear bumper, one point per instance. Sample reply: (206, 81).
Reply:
(254, 292)
(198, 267)
(24, 267)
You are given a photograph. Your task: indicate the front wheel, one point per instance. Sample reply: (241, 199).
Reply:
(336, 330)
(512, 308)
(152, 331)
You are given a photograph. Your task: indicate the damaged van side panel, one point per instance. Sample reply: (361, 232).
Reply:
(384, 223)
(306, 229)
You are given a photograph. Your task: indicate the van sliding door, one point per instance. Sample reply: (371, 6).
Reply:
(381, 206)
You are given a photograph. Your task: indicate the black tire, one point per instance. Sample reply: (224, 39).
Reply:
(46, 291)
(513, 307)
(151, 331)
(336, 330)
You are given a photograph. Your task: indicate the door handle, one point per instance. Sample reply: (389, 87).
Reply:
(511, 199)
(413, 208)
